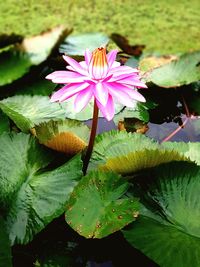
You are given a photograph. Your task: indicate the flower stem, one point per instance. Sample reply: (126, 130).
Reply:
(174, 132)
(92, 138)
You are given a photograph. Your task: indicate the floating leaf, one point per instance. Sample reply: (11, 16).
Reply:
(126, 153)
(189, 150)
(68, 136)
(179, 72)
(16, 61)
(41, 86)
(77, 44)
(97, 207)
(168, 232)
(32, 197)
(28, 111)
(5, 250)
(152, 62)
(132, 62)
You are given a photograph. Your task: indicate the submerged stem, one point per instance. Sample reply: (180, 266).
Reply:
(92, 137)
(174, 132)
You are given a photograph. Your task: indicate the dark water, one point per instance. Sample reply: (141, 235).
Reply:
(112, 251)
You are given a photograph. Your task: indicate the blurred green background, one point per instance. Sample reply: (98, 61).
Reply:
(163, 26)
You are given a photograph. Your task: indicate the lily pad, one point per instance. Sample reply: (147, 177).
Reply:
(97, 206)
(168, 229)
(27, 111)
(40, 86)
(16, 61)
(68, 136)
(179, 72)
(77, 44)
(190, 149)
(126, 153)
(30, 195)
(151, 62)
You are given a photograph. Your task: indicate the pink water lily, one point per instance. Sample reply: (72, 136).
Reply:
(99, 77)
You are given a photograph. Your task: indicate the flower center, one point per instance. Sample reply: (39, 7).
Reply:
(98, 67)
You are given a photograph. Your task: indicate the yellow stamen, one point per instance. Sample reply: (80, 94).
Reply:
(98, 67)
(99, 58)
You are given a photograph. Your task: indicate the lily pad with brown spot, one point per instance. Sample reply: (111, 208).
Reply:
(98, 205)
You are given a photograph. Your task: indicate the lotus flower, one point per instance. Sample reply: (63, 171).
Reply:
(99, 77)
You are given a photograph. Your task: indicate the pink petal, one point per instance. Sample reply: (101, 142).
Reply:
(111, 56)
(115, 64)
(121, 96)
(75, 65)
(83, 98)
(108, 111)
(68, 91)
(55, 74)
(122, 70)
(66, 77)
(101, 93)
(88, 56)
(133, 93)
(84, 65)
(131, 80)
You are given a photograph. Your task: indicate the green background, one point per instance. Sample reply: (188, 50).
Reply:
(163, 26)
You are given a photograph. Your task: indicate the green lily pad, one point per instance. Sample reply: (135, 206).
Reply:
(16, 61)
(27, 111)
(179, 72)
(31, 196)
(189, 150)
(168, 229)
(97, 207)
(40, 86)
(126, 153)
(77, 44)
(68, 136)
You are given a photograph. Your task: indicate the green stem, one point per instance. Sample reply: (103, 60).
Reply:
(92, 138)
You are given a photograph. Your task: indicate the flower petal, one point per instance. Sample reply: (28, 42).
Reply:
(115, 64)
(119, 94)
(111, 56)
(66, 77)
(88, 56)
(131, 80)
(101, 93)
(122, 70)
(75, 65)
(83, 98)
(109, 110)
(133, 93)
(68, 91)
